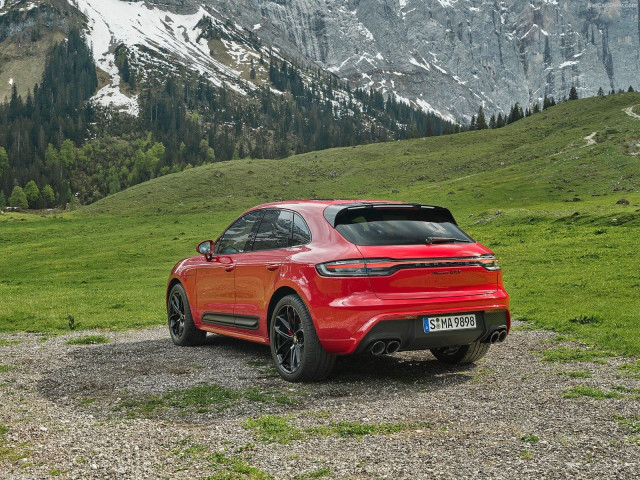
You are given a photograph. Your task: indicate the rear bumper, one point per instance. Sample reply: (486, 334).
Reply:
(351, 325)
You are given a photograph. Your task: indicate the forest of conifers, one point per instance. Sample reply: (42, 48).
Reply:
(55, 137)
(57, 147)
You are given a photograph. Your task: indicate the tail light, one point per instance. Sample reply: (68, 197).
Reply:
(378, 267)
(357, 268)
(490, 262)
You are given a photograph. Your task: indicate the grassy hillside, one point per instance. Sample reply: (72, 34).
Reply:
(538, 193)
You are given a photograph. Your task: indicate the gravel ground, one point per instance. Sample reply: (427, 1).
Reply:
(128, 409)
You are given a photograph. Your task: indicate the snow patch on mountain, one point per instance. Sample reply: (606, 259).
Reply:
(136, 24)
(424, 65)
(426, 106)
(447, 3)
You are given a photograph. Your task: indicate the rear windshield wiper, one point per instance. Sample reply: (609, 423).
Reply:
(431, 240)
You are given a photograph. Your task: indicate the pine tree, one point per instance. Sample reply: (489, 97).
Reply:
(126, 70)
(548, 102)
(3, 200)
(429, 131)
(481, 122)
(492, 121)
(500, 121)
(516, 113)
(536, 108)
(18, 199)
(630, 89)
(573, 93)
(4, 160)
(600, 92)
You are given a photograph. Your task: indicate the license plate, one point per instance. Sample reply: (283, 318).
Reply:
(450, 322)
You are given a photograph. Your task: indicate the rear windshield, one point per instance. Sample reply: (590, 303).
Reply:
(402, 226)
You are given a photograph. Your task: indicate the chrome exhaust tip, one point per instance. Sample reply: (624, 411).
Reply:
(378, 348)
(392, 346)
(502, 336)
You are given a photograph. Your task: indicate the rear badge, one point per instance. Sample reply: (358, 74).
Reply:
(452, 272)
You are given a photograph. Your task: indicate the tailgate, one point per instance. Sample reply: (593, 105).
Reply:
(402, 272)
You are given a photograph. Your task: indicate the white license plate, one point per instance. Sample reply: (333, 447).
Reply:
(449, 322)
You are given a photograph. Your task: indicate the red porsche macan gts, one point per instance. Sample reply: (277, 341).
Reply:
(316, 279)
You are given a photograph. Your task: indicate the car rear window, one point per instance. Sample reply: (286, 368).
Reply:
(401, 226)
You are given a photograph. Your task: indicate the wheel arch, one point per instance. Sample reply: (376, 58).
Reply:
(172, 283)
(278, 295)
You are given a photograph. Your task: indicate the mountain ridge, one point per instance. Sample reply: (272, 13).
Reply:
(453, 55)
(443, 56)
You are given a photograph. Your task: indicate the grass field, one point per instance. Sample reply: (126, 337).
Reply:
(537, 192)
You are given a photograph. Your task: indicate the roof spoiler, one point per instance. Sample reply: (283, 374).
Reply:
(332, 212)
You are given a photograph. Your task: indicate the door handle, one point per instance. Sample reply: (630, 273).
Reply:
(229, 268)
(273, 267)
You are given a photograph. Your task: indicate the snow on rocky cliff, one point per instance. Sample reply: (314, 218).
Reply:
(171, 36)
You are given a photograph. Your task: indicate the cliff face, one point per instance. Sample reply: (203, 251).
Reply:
(453, 55)
(449, 56)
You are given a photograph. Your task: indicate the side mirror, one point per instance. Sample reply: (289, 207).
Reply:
(205, 248)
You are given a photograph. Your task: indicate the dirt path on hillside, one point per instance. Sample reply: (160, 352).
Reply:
(590, 140)
(629, 111)
(128, 410)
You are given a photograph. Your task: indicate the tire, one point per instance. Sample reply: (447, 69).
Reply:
(181, 327)
(295, 348)
(460, 355)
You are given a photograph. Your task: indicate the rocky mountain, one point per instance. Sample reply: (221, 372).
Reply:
(453, 55)
(134, 90)
(445, 56)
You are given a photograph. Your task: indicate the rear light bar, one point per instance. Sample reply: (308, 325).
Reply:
(378, 267)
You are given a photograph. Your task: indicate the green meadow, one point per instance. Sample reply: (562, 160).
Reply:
(561, 212)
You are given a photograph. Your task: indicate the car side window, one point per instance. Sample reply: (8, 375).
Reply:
(274, 231)
(238, 237)
(301, 233)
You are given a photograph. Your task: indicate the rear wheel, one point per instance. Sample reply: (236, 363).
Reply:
(295, 348)
(181, 327)
(461, 354)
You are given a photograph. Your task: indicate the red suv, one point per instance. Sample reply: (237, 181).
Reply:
(316, 279)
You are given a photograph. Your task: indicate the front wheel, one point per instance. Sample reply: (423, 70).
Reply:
(295, 348)
(181, 327)
(461, 354)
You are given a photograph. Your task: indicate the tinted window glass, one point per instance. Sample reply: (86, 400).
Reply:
(274, 231)
(239, 235)
(301, 233)
(388, 226)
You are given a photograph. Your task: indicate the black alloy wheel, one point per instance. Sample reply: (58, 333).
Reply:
(176, 314)
(295, 347)
(181, 327)
(289, 338)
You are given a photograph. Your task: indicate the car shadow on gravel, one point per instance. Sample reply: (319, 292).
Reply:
(100, 376)
(404, 367)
